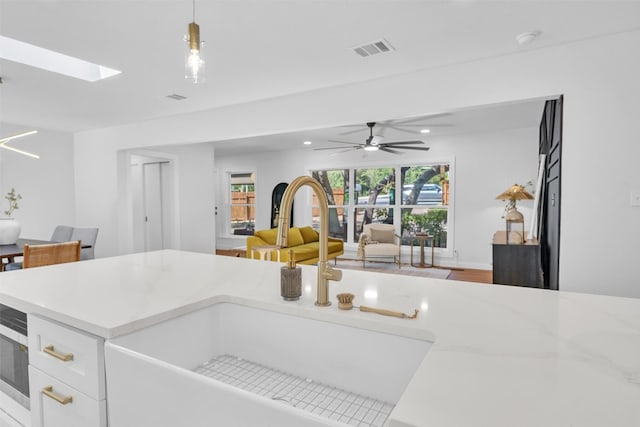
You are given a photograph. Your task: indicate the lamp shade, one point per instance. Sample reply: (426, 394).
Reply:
(515, 192)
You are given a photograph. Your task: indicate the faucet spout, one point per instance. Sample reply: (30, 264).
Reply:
(325, 273)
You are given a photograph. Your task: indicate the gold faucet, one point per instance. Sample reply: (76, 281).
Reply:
(325, 273)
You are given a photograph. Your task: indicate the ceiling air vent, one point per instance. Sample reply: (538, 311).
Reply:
(177, 97)
(373, 48)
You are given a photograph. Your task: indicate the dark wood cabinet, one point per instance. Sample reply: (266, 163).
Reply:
(517, 265)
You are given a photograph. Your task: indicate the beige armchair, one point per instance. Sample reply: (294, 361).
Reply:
(379, 240)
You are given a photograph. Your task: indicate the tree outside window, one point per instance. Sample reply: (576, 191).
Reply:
(336, 186)
(425, 197)
(375, 188)
(415, 196)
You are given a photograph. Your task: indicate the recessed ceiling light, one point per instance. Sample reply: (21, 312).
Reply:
(307, 143)
(45, 59)
(425, 130)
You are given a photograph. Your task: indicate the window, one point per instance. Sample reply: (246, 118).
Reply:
(375, 189)
(243, 207)
(416, 198)
(425, 200)
(336, 186)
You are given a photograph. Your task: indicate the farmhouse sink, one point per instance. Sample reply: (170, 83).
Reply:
(235, 365)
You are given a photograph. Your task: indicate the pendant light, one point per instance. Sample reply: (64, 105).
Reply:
(4, 141)
(194, 62)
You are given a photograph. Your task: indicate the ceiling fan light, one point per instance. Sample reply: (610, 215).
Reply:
(371, 148)
(425, 130)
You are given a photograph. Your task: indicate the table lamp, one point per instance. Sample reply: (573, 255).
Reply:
(512, 216)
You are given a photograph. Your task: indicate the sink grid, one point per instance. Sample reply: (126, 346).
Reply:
(321, 399)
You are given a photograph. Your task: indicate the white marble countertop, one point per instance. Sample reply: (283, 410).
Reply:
(502, 355)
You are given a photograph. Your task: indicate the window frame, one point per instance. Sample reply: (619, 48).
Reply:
(398, 206)
(347, 195)
(229, 229)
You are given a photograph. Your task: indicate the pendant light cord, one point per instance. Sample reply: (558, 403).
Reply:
(194, 10)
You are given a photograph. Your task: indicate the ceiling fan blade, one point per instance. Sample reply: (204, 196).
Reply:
(399, 129)
(349, 132)
(388, 150)
(345, 151)
(330, 148)
(403, 142)
(344, 142)
(430, 125)
(421, 118)
(412, 148)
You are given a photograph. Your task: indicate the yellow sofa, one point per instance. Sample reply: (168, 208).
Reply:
(303, 240)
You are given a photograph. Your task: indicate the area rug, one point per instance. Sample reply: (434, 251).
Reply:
(391, 268)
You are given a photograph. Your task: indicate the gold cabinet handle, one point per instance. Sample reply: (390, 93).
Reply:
(63, 400)
(64, 357)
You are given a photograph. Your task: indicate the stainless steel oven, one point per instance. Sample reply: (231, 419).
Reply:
(14, 355)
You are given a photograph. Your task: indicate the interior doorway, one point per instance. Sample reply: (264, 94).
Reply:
(154, 198)
(549, 211)
(152, 202)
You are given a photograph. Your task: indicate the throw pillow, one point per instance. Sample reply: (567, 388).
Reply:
(295, 238)
(382, 235)
(269, 236)
(309, 234)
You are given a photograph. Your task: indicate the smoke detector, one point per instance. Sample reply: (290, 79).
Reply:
(524, 39)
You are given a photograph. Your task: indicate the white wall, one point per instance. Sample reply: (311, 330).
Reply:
(102, 194)
(196, 192)
(46, 184)
(485, 164)
(598, 78)
(137, 204)
(270, 169)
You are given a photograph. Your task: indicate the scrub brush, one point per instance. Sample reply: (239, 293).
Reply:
(345, 302)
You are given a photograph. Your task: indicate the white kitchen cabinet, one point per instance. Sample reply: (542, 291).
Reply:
(7, 421)
(66, 376)
(56, 404)
(70, 355)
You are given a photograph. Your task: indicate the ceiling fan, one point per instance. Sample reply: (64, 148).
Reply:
(376, 142)
(413, 125)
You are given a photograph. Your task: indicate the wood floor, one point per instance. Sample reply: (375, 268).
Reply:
(468, 275)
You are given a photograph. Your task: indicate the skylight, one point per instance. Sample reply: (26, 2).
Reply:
(28, 54)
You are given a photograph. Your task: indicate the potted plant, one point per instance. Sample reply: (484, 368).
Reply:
(9, 227)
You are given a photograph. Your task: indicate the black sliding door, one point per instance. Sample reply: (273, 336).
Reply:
(551, 146)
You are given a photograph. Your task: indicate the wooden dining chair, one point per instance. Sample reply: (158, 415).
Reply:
(56, 253)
